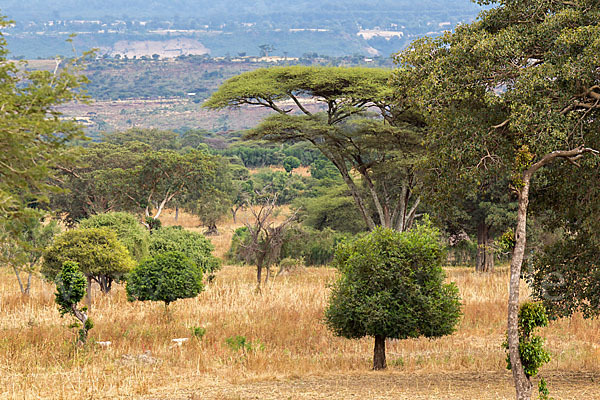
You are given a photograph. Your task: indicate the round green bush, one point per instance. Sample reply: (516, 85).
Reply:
(166, 277)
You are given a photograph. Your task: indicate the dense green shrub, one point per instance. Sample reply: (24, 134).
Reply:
(128, 229)
(333, 208)
(392, 286)
(290, 163)
(194, 245)
(313, 246)
(166, 277)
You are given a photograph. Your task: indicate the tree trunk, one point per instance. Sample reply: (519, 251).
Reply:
(28, 287)
(379, 353)
(485, 251)
(105, 283)
(82, 317)
(17, 273)
(258, 276)
(88, 293)
(523, 385)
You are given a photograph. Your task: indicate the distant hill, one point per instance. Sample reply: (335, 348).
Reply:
(231, 27)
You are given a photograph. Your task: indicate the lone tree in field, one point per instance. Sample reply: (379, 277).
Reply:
(513, 94)
(98, 253)
(167, 277)
(70, 289)
(392, 286)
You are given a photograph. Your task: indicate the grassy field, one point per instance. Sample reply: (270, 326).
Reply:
(291, 353)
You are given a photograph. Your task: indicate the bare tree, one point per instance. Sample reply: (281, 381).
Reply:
(263, 246)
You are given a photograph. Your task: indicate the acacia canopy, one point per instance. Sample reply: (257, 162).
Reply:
(349, 115)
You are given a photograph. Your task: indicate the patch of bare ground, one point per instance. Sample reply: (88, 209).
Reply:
(389, 385)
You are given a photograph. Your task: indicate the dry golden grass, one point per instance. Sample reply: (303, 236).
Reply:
(294, 357)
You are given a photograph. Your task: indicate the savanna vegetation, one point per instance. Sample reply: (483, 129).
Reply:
(446, 209)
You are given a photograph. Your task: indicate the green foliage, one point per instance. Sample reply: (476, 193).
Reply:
(193, 245)
(544, 393)
(97, 252)
(237, 343)
(299, 243)
(290, 163)
(128, 229)
(70, 287)
(565, 276)
(130, 177)
(240, 237)
(33, 137)
(287, 187)
(392, 285)
(323, 169)
(166, 277)
(332, 207)
(313, 246)
(531, 347)
(198, 332)
(153, 223)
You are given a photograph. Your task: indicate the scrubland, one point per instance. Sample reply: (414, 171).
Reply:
(289, 353)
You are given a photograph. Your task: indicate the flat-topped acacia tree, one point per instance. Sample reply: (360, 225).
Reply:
(351, 116)
(508, 95)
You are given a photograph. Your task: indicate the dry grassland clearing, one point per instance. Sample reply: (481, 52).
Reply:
(289, 353)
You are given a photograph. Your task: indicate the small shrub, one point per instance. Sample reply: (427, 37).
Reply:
(70, 289)
(237, 343)
(198, 332)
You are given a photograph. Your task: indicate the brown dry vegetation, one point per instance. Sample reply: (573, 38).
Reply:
(294, 356)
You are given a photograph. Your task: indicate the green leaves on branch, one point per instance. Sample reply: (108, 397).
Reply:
(97, 251)
(195, 246)
(531, 347)
(70, 289)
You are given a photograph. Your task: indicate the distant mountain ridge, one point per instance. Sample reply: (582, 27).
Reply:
(232, 27)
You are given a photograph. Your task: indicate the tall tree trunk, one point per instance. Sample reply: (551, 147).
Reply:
(485, 252)
(523, 385)
(379, 353)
